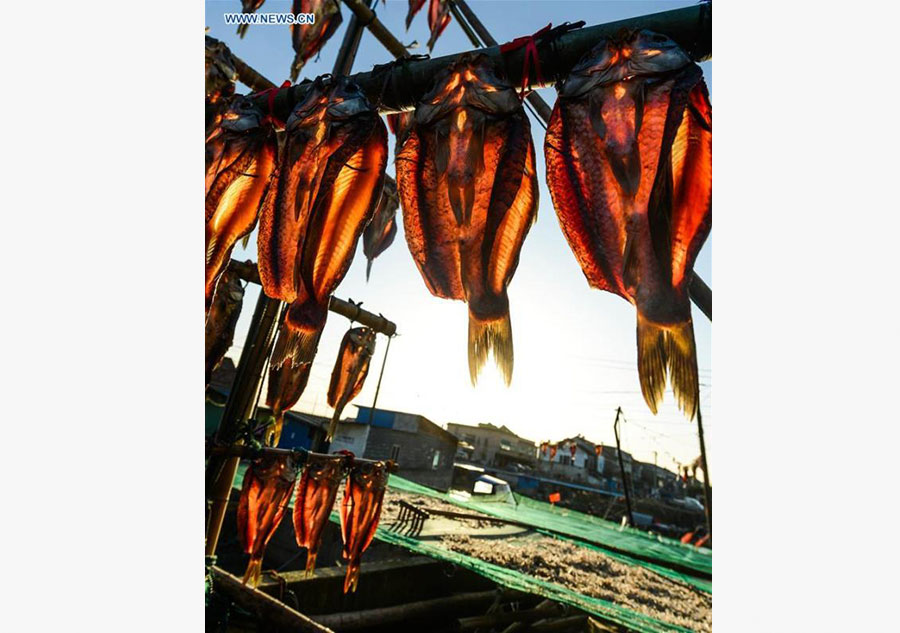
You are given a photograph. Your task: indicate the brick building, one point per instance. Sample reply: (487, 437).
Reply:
(423, 450)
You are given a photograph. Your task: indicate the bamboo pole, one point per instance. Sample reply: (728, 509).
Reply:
(220, 470)
(263, 606)
(344, 62)
(249, 272)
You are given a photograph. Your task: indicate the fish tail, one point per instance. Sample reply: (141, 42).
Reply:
(352, 577)
(254, 571)
(368, 268)
(310, 563)
(296, 66)
(652, 361)
(242, 30)
(486, 335)
(682, 354)
(273, 433)
(299, 338)
(335, 418)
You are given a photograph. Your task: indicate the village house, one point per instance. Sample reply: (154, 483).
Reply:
(423, 450)
(489, 445)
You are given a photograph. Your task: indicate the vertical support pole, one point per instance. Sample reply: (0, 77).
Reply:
(622, 468)
(220, 471)
(347, 53)
(707, 489)
(380, 376)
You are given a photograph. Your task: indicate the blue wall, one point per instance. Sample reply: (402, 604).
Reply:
(381, 418)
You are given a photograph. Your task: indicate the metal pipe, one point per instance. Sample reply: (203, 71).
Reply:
(622, 468)
(398, 86)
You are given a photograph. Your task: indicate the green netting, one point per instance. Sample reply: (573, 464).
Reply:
(577, 525)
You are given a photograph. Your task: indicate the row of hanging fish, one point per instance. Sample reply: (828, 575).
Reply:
(266, 494)
(307, 39)
(628, 153)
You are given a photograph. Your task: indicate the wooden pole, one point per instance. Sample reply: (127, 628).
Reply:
(344, 62)
(399, 86)
(622, 467)
(707, 488)
(269, 610)
(354, 620)
(220, 470)
(249, 272)
(369, 20)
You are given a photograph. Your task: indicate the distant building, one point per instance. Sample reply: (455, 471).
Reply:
(424, 451)
(494, 445)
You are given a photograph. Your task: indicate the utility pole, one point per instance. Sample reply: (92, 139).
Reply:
(622, 468)
(707, 489)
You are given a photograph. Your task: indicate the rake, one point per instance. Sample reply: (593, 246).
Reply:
(410, 520)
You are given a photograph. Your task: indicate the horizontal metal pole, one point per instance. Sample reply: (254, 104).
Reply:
(398, 86)
(249, 272)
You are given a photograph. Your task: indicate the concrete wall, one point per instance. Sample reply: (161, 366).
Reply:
(350, 437)
(416, 455)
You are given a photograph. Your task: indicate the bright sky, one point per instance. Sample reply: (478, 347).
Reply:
(575, 354)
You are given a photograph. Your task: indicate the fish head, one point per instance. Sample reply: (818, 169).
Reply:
(326, 470)
(638, 54)
(472, 81)
(369, 475)
(310, 111)
(363, 338)
(241, 116)
(346, 100)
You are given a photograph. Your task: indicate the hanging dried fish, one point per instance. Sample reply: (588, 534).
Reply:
(220, 72)
(240, 162)
(286, 384)
(629, 167)
(222, 319)
(350, 371)
(379, 234)
(265, 495)
(308, 39)
(330, 180)
(360, 512)
(316, 492)
(468, 188)
(438, 17)
(248, 6)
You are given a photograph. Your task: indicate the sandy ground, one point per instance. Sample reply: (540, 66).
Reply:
(583, 570)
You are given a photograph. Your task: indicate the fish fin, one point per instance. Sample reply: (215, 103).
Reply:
(310, 563)
(242, 30)
(254, 571)
(245, 240)
(682, 361)
(490, 335)
(652, 361)
(368, 268)
(352, 578)
(296, 66)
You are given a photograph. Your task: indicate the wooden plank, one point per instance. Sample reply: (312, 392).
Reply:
(264, 606)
